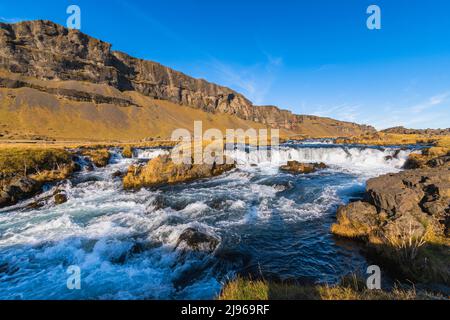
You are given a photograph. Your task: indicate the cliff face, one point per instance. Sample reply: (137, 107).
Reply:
(48, 51)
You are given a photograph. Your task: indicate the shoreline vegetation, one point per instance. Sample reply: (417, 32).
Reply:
(351, 287)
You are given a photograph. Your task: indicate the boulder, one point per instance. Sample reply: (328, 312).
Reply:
(356, 220)
(412, 201)
(60, 198)
(197, 240)
(117, 174)
(296, 167)
(19, 189)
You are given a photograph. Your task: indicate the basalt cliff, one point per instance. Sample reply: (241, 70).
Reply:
(48, 61)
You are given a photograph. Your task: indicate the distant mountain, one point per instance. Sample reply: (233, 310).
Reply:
(46, 68)
(403, 130)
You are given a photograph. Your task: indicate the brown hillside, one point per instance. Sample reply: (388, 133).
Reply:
(52, 76)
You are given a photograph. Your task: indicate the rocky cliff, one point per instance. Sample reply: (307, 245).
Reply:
(47, 51)
(405, 219)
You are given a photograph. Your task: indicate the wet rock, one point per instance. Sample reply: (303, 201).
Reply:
(439, 162)
(117, 174)
(198, 241)
(36, 205)
(60, 198)
(302, 168)
(5, 199)
(19, 189)
(160, 202)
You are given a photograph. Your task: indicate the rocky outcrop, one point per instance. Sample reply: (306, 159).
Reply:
(403, 130)
(162, 170)
(413, 201)
(60, 198)
(430, 158)
(45, 50)
(19, 189)
(405, 221)
(296, 167)
(196, 240)
(99, 157)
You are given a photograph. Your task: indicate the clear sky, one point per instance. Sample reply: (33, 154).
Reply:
(309, 56)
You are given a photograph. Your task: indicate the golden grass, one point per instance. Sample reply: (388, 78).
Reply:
(23, 161)
(127, 152)
(381, 138)
(350, 288)
(100, 157)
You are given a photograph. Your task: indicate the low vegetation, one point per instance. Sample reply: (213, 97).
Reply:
(38, 162)
(162, 170)
(127, 152)
(383, 139)
(350, 288)
(99, 156)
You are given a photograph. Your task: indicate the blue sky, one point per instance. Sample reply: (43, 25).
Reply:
(311, 57)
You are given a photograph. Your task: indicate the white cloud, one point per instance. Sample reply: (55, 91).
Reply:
(11, 20)
(431, 102)
(343, 112)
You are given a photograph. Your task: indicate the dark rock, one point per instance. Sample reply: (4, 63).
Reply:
(198, 241)
(408, 202)
(439, 161)
(117, 174)
(5, 199)
(60, 198)
(19, 189)
(302, 168)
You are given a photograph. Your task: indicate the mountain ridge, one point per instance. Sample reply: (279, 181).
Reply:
(48, 51)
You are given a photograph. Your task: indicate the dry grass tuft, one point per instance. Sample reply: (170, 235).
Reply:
(350, 288)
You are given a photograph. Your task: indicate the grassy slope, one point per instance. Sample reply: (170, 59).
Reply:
(27, 113)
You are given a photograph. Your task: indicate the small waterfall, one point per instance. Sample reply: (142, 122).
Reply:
(339, 156)
(147, 154)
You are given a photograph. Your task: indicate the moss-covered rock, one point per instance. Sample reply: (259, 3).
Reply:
(296, 167)
(162, 170)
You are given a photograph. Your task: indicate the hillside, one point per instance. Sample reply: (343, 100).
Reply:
(63, 84)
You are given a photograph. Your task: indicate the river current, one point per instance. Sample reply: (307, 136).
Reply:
(267, 222)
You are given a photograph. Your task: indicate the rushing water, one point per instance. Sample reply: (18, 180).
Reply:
(270, 223)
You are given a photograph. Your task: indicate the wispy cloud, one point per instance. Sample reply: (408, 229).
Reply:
(344, 112)
(11, 20)
(433, 101)
(254, 81)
